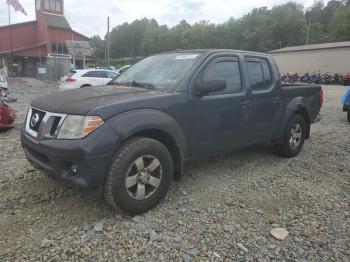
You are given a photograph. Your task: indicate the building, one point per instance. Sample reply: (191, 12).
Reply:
(319, 58)
(37, 48)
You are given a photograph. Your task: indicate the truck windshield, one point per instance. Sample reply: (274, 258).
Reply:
(162, 71)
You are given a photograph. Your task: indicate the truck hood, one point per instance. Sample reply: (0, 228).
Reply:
(81, 101)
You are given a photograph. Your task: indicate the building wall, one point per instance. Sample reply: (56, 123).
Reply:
(22, 35)
(314, 61)
(58, 35)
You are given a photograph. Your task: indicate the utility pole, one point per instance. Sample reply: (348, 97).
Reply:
(108, 41)
(10, 28)
(308, 32)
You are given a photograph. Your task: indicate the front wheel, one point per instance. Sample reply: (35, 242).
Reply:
(140, 176)
(294, 137)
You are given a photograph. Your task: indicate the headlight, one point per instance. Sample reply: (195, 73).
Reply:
(2, 79)
(75, 127)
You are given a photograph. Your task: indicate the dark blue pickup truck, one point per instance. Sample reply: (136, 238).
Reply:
(133, 136)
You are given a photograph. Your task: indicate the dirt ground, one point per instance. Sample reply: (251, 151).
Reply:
(222, 210)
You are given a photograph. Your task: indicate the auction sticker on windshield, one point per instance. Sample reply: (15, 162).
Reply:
(185, 57)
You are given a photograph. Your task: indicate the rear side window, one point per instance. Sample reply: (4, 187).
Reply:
(92, 74)
(256, 75)
(103, 74)
(266, 71)
(228, 71)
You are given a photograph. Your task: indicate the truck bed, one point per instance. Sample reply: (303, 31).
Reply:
(311, 95)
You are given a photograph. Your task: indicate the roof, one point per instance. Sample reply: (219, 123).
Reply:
(56, 21)
(18, 24)
(212, 51)
(312, 47)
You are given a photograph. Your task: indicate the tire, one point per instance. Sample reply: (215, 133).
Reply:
(85, 86)
(138, 194)
(348, 117)
(291, 148)
(3, 92)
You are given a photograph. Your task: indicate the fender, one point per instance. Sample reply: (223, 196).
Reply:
(136, 121)
(294, 105)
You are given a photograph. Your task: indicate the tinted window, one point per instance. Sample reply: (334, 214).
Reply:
(255, 75)
(111, 74)
(93, 74)
(103, 74)
(266, 71)
(228, 71)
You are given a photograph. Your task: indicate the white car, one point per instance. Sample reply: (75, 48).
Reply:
(3, 86)
(88, 77)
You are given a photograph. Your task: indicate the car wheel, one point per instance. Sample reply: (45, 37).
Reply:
(349, 117)
(139, 176)
(294, 137)
(3, 92)
(85, 86)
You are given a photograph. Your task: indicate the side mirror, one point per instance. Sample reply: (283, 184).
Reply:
(211, 86)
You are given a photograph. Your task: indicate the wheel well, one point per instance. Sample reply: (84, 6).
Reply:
(170, 143)
(302, 111)
(86, 85)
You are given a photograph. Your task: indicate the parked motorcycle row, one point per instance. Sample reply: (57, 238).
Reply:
(324, 79)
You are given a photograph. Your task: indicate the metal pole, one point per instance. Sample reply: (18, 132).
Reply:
(11, 62)
(308, 33)
(108, 42)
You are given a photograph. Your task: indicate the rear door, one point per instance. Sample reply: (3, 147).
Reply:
(220, 120)
(266, 98)
(93, 78)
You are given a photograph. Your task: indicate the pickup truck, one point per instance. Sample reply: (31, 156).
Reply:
(132, 137)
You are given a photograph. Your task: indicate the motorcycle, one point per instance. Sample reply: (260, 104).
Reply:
(344, 79)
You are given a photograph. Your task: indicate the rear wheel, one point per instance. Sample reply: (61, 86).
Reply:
(349, 117)
(294, 137)
(139, 177)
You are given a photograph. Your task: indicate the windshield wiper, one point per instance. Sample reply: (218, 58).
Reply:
(143, 85)
(134, 84)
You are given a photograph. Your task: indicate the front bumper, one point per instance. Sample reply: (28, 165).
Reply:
(82, 162)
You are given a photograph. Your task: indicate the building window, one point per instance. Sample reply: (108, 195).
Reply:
(53, 6)
(58, 6)
(47, 5)
(38, 4)
(59, 48)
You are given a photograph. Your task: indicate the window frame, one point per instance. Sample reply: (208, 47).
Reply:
(216, 60)
(268, 88)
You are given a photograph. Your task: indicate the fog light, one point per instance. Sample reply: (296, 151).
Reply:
(74, 169)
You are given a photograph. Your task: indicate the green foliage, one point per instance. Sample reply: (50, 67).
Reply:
(262, 30)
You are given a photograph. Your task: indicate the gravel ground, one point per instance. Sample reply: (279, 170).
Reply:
(222, 210)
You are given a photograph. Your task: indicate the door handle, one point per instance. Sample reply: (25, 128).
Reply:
(245, 103)
(276, 101)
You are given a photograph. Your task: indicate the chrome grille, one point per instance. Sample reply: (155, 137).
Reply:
(42, 124)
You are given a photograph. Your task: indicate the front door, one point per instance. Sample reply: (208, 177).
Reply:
(220, 119)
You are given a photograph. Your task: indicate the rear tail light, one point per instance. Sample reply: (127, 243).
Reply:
(321, 97)
(70, 79)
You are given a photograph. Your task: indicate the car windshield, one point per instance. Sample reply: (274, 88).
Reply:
(162, 71)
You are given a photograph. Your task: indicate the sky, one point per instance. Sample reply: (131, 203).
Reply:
(90, 18)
